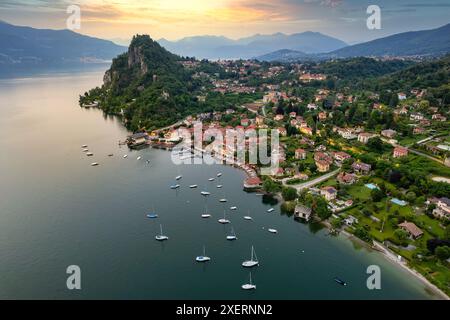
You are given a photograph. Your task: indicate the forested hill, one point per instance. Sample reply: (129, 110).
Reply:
(147, 84)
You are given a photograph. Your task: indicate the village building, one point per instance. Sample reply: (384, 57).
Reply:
(252, 183)
(302, 212)
(388, 133)
(322, 166)
(282, 131)
(346, 178)
(412, 229)
(361, 168)
(300, 154)
(329, 193)
(364, 137)
(442, 210)
(400, 152)
(278, 117)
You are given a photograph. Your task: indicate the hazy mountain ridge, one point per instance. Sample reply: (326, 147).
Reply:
(23, 47)
(219, 47)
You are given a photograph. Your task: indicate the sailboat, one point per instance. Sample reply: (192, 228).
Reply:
(224, 220)
(94, 164)
(272, 230)
(89, 154)
(253, 260)
(139, 158)
(176, 186)
(193, 186)
(233, 208)
(203, 258)
(125, 156)
(152, 215)
(205, 193)
(219, 174)
(84, 146)
(206, 214)
(232, 236)
(340, 281)
(211, 179)
(219, 186)
(249, 286)
(270, 210)
(248, 217)
(223, 200)
(161, 237)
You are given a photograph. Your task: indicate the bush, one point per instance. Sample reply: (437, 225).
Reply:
(289, 194)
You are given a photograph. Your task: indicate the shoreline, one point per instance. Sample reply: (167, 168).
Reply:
(392, 257)
(376, 246)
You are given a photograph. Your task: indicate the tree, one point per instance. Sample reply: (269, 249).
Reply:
(377, 195)
(320, 208)
(289, 194)
(401, 234)
(375, 144)
(442, 253)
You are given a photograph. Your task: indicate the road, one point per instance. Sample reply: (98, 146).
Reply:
(425, 155)
(309, 184)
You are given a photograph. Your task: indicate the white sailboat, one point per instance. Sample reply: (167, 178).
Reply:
(232, 236)
(223, 200)
(250, 285)
(205, 193)
(193, 186)
(152, 214)
(272, 230)
(233, 208)
(84, 146)
(125, 156)
(161, 237)
(176, 186)
(219, 186)
(219, 174)
(203, 258)
(270, 210)
(248, 217)
(89, 154)
(253, 260)
(224, 220)
(139, 158)
(211, 179)
(206, 215)
(94, 164)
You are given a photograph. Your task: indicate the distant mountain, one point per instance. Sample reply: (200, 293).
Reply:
(284, 55)
(427, 42)
(25, 47)
(213, 47)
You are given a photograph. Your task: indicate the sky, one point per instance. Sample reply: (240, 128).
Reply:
(119, 20)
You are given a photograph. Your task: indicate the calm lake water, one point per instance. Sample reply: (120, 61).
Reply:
(56, 210)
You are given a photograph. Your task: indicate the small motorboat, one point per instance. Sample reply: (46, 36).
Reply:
(176, 186)
(110, 155)
(178, 177)
(139, 158)
(206, 215)
(233, 208)
(85, 150)
(125, 156)
(223, 200)
(270, 210)
(205, 193)
(84, 146)
(94, 164)
(250, 285)
(219, 186)
(272, 230)
(219, 174)
(248, 218)
(193, 186)
(89, 154)
(340, 281)
(211, 179)
(152, 216)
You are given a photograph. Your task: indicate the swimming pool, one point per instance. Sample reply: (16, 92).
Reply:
(371, 186)
(399, 202)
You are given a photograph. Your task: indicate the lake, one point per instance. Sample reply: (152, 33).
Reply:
(56, 210)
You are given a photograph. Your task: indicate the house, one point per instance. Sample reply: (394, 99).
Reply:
(311, 106)
(322, 116)
(252, 183)
(259, 120)
(418, 130)
(341, 156)
(137, 139)
(401, 96)
(438, 117)
(278, 117)
(346, 178)
(364, 137)
(306, 130)
(412, 229)
(400, 152)
(389, 133)
(351, 220)
(300, 154)
(282, 131)
(442, 210)
(302, 212)
(329, 193)
(346, 133)
(301, 176)
(293, 114)
(322, 166)
(361, 167)
(245, 122)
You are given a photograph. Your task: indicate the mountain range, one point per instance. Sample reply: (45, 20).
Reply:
(25, 47)
(219, 47)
